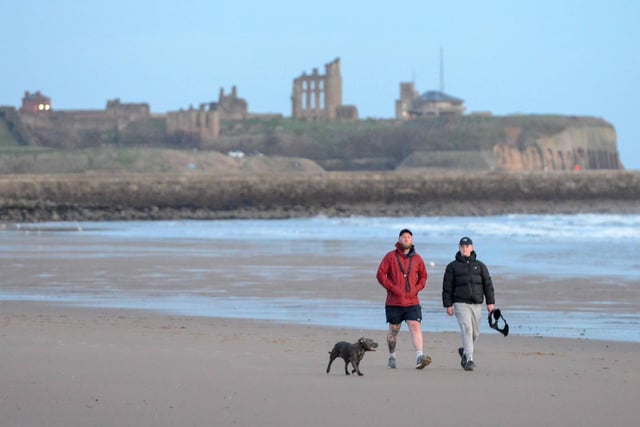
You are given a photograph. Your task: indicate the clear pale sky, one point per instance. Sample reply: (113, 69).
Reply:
(566, 57)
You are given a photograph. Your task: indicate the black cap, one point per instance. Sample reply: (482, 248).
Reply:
(405, 230)
(465, 241)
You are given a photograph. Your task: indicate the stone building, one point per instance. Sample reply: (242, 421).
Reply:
(433, 103)
(231, 107)
(35, 103)
(128, 111)
(319, 96)
(116, 115)
(200, 125)
(77, 128)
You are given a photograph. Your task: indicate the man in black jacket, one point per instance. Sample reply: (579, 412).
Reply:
(466, 284)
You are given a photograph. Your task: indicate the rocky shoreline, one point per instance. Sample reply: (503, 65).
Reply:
(39, 198)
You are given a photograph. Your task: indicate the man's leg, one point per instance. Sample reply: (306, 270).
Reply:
(464, 314)
(392, 338)
(475, 322)
(416, 334)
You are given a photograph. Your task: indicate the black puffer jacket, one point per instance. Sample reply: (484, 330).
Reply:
(467, 280)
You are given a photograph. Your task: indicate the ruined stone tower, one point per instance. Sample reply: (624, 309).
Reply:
(318, 96)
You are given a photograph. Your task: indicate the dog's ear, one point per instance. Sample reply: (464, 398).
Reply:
(362, 340)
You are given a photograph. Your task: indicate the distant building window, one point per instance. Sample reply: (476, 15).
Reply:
(35, 103)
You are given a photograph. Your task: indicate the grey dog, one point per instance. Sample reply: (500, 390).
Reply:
(351, 352)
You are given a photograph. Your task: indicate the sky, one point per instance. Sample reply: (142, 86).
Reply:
(569, 57)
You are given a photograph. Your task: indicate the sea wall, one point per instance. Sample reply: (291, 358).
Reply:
(82, 198)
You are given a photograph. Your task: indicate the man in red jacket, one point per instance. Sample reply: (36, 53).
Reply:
(403, 274)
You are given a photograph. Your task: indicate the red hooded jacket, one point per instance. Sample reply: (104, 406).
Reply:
(400, 291)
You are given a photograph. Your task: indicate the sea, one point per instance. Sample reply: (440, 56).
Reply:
(570, 276)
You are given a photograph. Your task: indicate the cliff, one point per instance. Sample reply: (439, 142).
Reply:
(509, 143)
(485, 143)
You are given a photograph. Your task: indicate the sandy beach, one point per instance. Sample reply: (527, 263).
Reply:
(64, 366)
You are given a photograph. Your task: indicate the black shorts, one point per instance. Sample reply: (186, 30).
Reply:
(396, 314)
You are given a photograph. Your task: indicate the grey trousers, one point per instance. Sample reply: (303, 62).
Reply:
(468, 316)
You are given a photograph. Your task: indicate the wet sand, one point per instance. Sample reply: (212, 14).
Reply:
(64, 366)
(325, 283)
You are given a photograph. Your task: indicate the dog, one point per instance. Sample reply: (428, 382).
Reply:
(351, 353)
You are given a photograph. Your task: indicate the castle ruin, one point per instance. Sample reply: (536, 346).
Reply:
(202, 125)
(39, 124)
(319, 96)
(231, 107)
(589, 144)
(194, 125)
